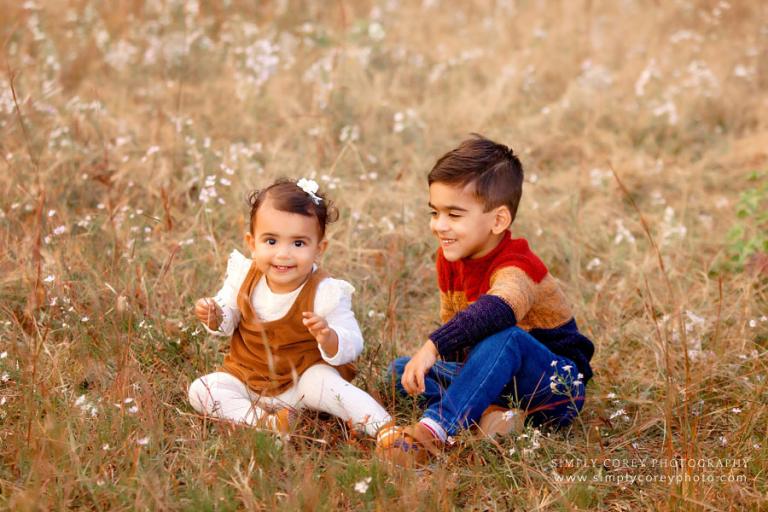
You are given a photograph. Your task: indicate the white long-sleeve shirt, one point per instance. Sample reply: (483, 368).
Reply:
(333, 301)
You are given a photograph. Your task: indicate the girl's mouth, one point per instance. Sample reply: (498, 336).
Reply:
(282, 268)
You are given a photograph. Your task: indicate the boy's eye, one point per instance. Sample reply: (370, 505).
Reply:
(433, 213)
(454, 215)
(299, 243)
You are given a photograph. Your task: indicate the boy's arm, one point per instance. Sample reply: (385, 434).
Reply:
(415, 370)
(510, 297)
(446, 307)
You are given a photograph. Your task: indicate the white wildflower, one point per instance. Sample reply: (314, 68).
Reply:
(619, 412)
(376, 31)
(143, 441)
(362, 485)
(736, 410)
(593, 263)
(49, 279)
(669, 109)
(349, 133)
(622, 233)
(60, 230)
(598, 177)
(645, 76)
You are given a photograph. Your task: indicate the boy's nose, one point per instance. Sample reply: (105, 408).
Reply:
(438, 224)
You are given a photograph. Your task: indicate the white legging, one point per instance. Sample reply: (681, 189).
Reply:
(320, 387)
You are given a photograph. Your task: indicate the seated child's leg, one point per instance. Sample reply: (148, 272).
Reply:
(437, 379)
(488, 374)
(224, 396)
(546, 386)
(322, 388)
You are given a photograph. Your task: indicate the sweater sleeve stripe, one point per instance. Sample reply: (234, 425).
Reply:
(489, 314)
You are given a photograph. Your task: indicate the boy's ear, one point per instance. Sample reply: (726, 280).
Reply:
(250, 242)
(502, 219)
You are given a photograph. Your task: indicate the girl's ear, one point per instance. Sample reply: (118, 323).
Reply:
(321, 247)
(250, 242)
(502, 219)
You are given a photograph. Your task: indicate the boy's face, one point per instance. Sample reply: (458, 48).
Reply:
(460, 223)
(284, 246)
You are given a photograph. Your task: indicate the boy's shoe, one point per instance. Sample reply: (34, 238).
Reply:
(406, 446)
(500, 421)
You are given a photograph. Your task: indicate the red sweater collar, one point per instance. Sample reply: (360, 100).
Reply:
(506, 242)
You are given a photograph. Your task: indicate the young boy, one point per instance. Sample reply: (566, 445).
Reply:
(508, 334)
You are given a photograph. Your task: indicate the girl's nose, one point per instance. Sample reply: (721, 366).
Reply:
(282, 251)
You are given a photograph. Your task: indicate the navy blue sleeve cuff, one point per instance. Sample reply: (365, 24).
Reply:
(488, 315)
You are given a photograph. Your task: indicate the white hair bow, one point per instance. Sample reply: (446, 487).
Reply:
(310, 187)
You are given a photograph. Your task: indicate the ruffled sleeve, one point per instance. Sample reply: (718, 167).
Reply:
(237, 270)
(333, 301)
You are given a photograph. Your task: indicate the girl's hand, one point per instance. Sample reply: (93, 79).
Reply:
(325, 336)
(417, 367)
(208, 312)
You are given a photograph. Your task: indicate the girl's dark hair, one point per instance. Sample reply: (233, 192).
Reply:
(286, 196)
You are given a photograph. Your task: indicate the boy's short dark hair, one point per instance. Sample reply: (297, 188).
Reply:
(492, 167)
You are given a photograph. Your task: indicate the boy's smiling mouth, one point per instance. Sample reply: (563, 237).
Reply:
(447, 241)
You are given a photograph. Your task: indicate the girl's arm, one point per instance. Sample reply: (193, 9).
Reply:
(226, 298)
(333, 302)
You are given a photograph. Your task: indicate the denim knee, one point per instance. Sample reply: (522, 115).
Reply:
(508, 340)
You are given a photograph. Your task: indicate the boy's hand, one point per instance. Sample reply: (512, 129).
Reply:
(325, 336)
(208, 312)
(417, 367)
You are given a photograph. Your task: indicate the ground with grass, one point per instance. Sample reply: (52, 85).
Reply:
(132, 131)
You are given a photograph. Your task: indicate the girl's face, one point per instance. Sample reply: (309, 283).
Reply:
(284, 246)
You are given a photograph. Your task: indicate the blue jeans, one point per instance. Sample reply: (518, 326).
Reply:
(511, 369)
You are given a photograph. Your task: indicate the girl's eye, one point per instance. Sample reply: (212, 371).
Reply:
(270, 241)
(298, 243)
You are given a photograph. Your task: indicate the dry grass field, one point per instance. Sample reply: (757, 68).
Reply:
(132, 130)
